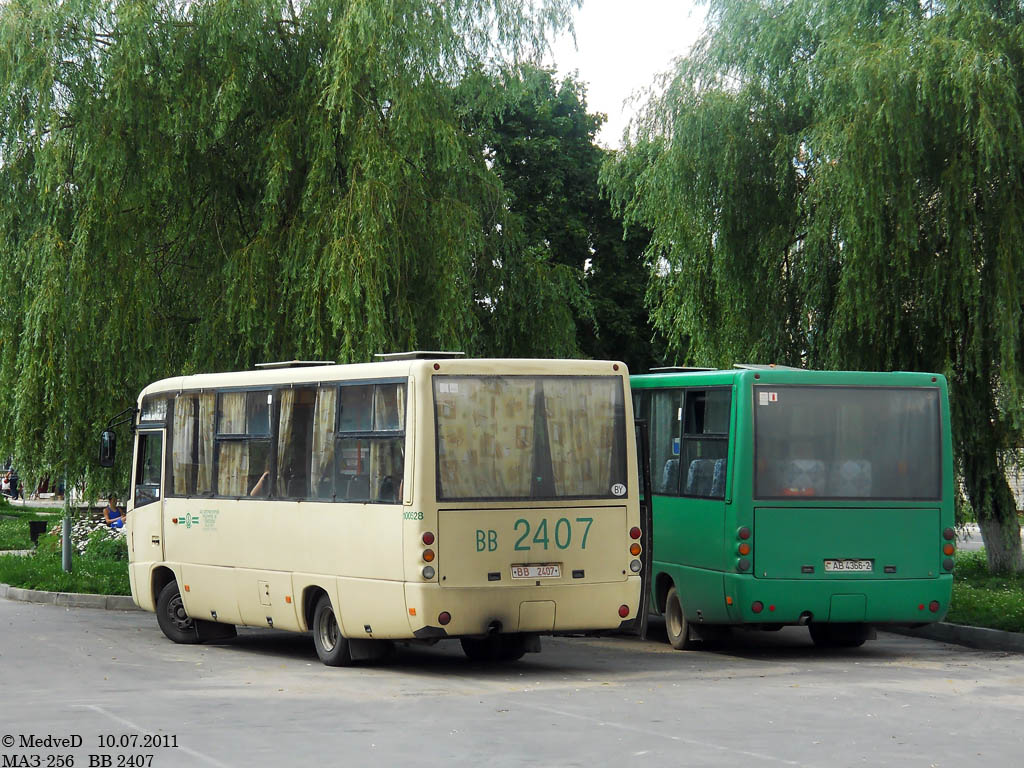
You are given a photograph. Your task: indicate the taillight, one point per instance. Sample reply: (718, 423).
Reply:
(933, 606)
(744, 549)
(634, 532)
(757, 606)
(428, 555)
(443, 618)
(428, 538)
(634, 549)
(623, 611)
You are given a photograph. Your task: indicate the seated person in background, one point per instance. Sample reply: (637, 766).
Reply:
(112, 515)
(5, 484)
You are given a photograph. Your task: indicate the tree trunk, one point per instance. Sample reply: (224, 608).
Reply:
(995, 508)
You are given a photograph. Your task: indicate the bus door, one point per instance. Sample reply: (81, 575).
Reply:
(146, 513)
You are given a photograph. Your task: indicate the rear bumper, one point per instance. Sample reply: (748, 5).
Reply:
(788, 601)
(475, 610)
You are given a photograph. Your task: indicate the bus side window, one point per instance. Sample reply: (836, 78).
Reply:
(244, 443)
(294, 442)
(664, 429)
(706, 442)
(147, 474)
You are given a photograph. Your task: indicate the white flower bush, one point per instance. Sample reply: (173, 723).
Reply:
(86, 533)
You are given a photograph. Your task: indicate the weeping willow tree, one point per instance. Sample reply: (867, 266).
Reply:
(190, 186)
(840, 184)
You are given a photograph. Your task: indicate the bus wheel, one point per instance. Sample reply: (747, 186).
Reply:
(171, 616)
(676, 625)
(839, 635)
(331, 646)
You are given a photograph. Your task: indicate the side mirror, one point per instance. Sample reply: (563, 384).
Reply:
(108, 447)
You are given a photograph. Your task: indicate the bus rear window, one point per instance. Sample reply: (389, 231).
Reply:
(847, 443)
(530, 437)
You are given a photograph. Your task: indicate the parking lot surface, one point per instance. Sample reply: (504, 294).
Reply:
(111, 679)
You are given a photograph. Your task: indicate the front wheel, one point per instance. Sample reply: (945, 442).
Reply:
(676, 625)
(839, 635)
(331, 646)
(171, 616)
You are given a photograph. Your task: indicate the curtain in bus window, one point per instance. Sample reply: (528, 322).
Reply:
(581, 434)
(485, 436)
(386, 468)
(284, 439)
(233, 457)
(389, 407)
(181, 450)
(322, 463)
(233, 473)
(207, 412)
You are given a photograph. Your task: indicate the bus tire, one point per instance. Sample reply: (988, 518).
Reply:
(171, 616)
(839, 635)
(676, 626)
(331, 646)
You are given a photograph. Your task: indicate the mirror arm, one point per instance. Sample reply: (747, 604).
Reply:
(124, 417)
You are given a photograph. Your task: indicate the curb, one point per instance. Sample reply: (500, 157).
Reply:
(981, 638)
(69, 599)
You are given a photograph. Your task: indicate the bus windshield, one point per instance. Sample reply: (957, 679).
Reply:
(530, 437)
(847, 442)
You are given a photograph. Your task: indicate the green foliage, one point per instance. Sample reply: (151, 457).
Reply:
(564, 272)
(983, 600)
(201, 186)
(841, 185)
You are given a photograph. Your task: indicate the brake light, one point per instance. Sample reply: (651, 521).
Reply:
(428, 538)
(623, 611)
(634, 532)
(757, 606)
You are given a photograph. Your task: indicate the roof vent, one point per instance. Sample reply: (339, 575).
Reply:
(769, 367)
(679, 369)
(294, 364)
(419, 355)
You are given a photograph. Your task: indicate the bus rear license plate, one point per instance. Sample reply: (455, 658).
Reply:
(849, 565)
(545, 571)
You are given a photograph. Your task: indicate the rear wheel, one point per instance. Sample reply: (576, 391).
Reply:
(331, 646)
(171, 616)
(839, 635)
(676, 625)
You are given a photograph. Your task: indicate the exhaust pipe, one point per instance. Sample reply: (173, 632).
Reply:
(805, 618)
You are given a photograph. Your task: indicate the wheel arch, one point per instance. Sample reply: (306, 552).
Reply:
(662, 584)
(161, 576)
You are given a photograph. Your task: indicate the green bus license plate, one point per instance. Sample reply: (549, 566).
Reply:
(537, 571)
(849, 565)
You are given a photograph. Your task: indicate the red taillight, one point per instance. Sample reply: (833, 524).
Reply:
(443, 618)
(428, 538)
(948, 534)
(743, 533)
(623, 611)
(920, 606)
(634, 532)
(757, 606)
(933, 606)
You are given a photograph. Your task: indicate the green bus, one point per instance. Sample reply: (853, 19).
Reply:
(784, 496)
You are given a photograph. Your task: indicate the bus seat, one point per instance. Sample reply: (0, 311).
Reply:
(699, 477)
(803, 477)
(358, 488)
(386, 492)
(718, 480)
(669, 477)
(851, 478)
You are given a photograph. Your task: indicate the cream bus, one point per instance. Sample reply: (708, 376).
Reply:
(417, 498)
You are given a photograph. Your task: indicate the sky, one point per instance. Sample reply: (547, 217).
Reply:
(621, 47)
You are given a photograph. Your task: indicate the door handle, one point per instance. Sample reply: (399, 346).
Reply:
(156, 539)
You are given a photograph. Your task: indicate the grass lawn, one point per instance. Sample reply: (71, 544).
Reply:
(89, 573)
(983, 600)
(14, 532)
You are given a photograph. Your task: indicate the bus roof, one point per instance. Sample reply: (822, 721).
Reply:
(749, 375)
(269, 377)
